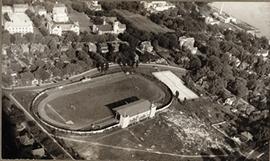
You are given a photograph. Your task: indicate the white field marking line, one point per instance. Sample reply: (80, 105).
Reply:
(252, 151)
(260, 155)
(140, 150)
(48, 105)
(134, 136)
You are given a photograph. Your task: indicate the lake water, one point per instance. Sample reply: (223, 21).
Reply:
(256, 14)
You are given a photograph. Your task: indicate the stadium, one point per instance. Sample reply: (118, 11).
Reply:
(112, 99)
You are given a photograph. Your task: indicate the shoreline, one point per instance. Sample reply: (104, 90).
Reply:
(259, 32)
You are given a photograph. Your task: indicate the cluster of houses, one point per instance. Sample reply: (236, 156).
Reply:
(110, 25)
(157, 6)
(25, 139)
(103, 47)
(21, 56)
(58, 21)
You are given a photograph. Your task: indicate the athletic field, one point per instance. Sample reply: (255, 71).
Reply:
(142, 23)
(80, 105)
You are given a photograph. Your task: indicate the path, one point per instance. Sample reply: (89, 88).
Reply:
(141, 150)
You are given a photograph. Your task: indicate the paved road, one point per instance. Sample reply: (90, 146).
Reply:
(87, 73)
(140, 150)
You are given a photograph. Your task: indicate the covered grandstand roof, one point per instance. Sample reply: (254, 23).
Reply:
(175, 84)
(134, 108)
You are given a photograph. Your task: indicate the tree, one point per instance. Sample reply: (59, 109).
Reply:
(216, 86)
(6, 17)
(70, 37)
(228, 35)
(79, 6)
(215, 64)
(227, 72)
(30, 37)
(52, 44)
(17, 38)
(240, 88)
(163, 41)
(195, 63)
(6, 37)
(44, 31)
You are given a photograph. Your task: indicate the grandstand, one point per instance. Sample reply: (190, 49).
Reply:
(175, 84)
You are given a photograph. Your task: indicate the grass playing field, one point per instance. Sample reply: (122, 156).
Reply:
(141, 22)
(80, 105)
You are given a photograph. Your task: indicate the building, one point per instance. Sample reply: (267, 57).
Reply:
(230, 100)
(247, 135)
(60, 23)
(157, 6)
(188, 43)
(20, 23)
(114, 46)
(224, 18)
(211, 21)
(103, 48)
(25, 140)
(146, 46)
(41, 11)
(264, 53)
(92, 47)
(39, 152)
(20, 8)
(7, 9)
(60, 28)
(134, 112)
(94, 6)
(60, 13)
(110, 26)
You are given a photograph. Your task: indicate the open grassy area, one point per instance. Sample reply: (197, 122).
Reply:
(142, 23)
(172, 135)
(82, 18)
(84, 104)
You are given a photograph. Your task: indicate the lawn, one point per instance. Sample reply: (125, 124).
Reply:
(82, 18)
(142, 23)
(171, 135)
(85, 103)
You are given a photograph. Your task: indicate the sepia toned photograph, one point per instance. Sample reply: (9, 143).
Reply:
(134, 80)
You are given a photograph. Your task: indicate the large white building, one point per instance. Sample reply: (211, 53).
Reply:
(60, 28)
(20, 23)
(157, 6)
(134, 112)
(7, 9)
(60, 22)
(60, 13)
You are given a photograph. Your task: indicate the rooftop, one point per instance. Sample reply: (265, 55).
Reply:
(20, 5)
(134, 108)
(105, 27)
(60, 5)
(18, 20)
